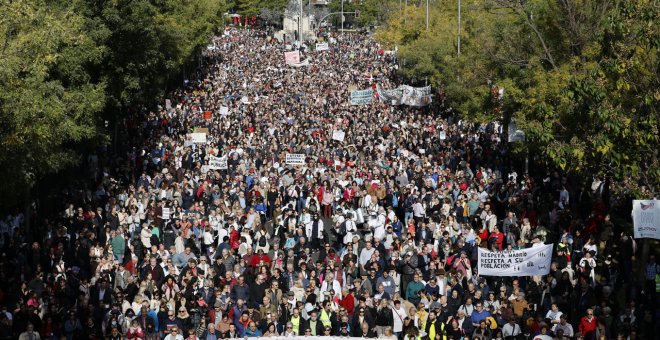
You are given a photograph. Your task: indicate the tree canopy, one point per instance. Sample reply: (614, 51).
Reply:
(68, 66)
(579, 77)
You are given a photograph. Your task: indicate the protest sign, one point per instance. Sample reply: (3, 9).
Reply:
(515, 134)
(300, 64)
(416, 96)
(292, 57)
(322, 47)
(295, 159)
(224, 111)
(646, 219)
(168, 104)
(217, 163)
(166, 213)
(207, 115)
(406, 95)
(338, 135)
(359, 97)
(198, 137)
(443, 135)
(524, 262)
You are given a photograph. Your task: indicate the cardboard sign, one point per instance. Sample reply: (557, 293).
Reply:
(322, 47)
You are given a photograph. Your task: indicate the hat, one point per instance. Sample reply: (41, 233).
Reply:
(290, 293)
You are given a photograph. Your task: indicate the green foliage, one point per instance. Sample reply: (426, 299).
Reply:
(66, 64)
(47, 98)
(150, 41)
(580, 77)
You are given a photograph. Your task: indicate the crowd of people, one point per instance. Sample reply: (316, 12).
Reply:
(375, 235)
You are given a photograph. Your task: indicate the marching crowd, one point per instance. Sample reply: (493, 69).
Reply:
(375, 235)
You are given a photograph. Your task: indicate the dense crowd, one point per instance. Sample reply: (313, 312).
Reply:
(374, 236)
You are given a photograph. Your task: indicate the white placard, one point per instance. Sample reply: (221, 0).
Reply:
(338, 135)
(525, 262)
(322, 47)
(422, 151)
(292, 57)
(168, 104)
(217, 163)
(646, 218)
(198, 137)
(224, 111)
(295, 159)
(443, 135)
(166, 213)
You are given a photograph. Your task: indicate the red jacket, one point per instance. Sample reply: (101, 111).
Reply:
(348, 302)
(587, 328)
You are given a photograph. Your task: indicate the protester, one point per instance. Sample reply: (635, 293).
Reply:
(372, 234)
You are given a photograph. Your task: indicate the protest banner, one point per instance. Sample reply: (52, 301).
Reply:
(646, 219)
(300, 64)
(217, 163)
(524, 262)
(198, 137)
(292, 57)
(416, 96)
(322, 47)
(405, 95)
(338, 135)
(359, 97)
(295, 159)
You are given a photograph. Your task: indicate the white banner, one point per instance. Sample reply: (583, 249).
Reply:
(416, 96)
(217, 163)
(322, 47)
(295, 159)
(300, 64)
(406, 95)
(198, 137)
(292, 57)
(646, 218)
(359, 97)
(338, 135)
(525, 262)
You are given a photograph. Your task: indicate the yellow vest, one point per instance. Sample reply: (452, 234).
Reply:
(325, 318)
(432, 330)
(295, 321)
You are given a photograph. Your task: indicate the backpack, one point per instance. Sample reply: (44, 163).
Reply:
(262, 241)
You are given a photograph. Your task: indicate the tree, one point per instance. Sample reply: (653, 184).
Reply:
(48, 100)
(579, 77)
